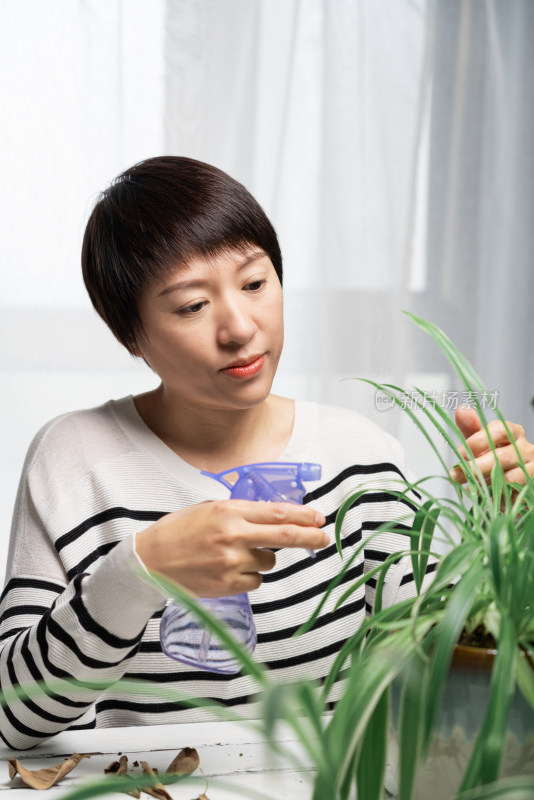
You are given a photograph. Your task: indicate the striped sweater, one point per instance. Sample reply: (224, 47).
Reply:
(74, 607)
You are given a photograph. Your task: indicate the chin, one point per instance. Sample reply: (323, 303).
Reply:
(247, 400)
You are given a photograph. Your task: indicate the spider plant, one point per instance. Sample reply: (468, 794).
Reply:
(485, 579)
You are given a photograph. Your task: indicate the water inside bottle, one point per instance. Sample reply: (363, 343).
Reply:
(186, 640)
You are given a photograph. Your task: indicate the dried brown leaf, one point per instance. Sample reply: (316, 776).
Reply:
(185, 762)
(46, 777)
(203, 796)
(120, 767)
(156, 790)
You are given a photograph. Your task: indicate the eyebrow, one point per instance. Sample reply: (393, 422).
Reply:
(196, 283)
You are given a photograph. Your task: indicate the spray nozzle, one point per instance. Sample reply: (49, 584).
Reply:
(271, 481)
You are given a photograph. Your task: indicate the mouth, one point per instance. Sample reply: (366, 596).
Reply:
(245, 368)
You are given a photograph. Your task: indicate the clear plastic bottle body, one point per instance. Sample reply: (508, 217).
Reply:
(182, 636)
(184, 639)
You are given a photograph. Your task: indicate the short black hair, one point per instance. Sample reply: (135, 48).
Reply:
(161, 213)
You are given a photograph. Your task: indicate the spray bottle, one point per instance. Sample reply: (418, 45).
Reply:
(182, 636)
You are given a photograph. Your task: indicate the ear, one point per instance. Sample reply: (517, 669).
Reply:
(136, 353)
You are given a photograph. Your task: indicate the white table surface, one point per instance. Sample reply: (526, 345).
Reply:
(234, 758)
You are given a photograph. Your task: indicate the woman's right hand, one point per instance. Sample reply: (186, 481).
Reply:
(220, 548)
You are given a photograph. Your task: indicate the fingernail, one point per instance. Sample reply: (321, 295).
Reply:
(326, 540)
(457, 474)
(320, 519)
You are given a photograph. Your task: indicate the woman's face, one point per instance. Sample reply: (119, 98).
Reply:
(213, 330)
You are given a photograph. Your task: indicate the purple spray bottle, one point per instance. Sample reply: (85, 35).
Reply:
(182, 636)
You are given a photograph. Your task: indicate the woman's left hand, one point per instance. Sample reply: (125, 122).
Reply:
(477, 440)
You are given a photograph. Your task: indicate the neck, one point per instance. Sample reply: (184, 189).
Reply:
(216, 439)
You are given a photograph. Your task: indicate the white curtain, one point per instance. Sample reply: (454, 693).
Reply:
(317, 107)
(480, 209)
(81, 97)
(390, 143)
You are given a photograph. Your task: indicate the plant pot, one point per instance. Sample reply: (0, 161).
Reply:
(463, 709)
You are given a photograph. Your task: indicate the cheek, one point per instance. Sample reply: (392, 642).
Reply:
(277, 317)
(194, 354)
(276, 308)
(276, 329)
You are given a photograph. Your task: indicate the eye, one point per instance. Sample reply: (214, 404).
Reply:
(256, 286)
(194, 308)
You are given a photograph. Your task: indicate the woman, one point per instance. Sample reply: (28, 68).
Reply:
(185, 268)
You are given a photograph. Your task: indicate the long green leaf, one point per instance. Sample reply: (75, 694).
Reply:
(117, 783)
(520, 788)
(410, 728)
(461, 365)
(122, 686)
(368, 679)
(453, 564)
(471, 470)
(449, 629)
(389, 526)
(334, 583)
(525, 679)
(495, 554)
(423, 527)
(486, 758)
(393, 392)
(381, 568)
(470, 379)
(113, 784)
(210, 621)
(354, 642)
(373, 751)
(345, 789)
(344, 508)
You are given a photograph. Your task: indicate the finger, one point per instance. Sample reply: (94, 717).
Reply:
(261, 512)
(247, 582)
(517, 475)
(263, 560)
(507, 457)
(479, 442)
(248, 577)
(467, 420)
(286, 535)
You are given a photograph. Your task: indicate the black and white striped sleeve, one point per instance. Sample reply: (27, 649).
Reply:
(55, 635)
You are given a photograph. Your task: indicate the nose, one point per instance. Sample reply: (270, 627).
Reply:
(235, 325)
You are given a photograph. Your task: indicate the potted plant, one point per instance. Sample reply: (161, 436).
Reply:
(400, 676)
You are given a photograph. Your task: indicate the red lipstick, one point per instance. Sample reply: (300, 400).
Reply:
(245, 370)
